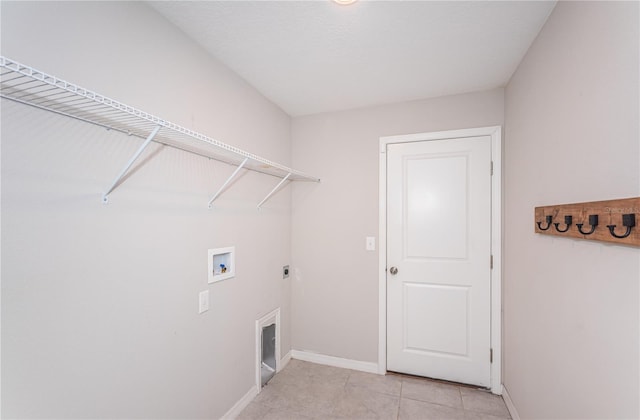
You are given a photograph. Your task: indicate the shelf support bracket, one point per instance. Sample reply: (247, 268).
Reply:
(233, 175)
(114, 184)
(273, 191)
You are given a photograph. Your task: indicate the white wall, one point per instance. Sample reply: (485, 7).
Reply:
(99, 302)
(571, 307)
(335, 281)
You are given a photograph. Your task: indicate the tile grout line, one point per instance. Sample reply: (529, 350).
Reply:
(360, 382)
(399, 400)
(464, 410)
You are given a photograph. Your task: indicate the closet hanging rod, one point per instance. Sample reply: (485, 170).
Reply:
(26, 85)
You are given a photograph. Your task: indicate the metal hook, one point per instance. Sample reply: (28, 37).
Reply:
(567, 221)
(548, 219)
(593, 222)
(629, 221)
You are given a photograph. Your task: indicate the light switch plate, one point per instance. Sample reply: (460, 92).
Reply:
(371, 243)
(203, 301)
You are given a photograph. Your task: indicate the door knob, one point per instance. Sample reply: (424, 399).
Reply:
(393, 270)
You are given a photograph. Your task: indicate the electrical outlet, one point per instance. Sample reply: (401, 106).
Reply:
(203, 301)
(285, 272)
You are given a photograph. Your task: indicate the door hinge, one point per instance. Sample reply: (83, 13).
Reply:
(491, 168)
(491, 262)
(490, 355)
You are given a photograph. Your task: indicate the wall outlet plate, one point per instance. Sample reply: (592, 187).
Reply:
(203, 301)
(370, 243)
(285, 272)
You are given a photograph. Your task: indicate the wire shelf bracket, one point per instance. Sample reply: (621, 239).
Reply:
(233, 175)
(28, 86)
(273, 191)
(123, 172)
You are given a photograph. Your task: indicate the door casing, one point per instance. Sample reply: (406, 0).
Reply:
(495, 132)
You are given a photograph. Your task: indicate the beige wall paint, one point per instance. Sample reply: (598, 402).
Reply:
(99, 303)
(571, 307)
(335, 281)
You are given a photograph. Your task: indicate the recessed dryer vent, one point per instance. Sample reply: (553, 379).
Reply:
(267, 347)
(268, 361)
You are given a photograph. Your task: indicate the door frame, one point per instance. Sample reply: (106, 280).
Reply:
(495, 132)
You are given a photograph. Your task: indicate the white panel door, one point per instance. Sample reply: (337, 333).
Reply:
(438, 259)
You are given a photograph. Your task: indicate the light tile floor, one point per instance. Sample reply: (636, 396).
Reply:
(304, 390)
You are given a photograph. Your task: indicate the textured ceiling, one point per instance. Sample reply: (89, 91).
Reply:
(316, 56)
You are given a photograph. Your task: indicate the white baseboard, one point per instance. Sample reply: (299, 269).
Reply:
(252, 393)
(284, 361)
(335, 361)
(241, 404)
(509, 403)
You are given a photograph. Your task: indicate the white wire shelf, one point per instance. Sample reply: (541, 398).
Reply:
(26, 85)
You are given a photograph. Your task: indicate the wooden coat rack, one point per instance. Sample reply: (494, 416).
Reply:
(612, 221)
